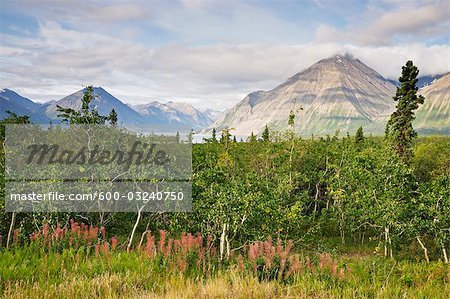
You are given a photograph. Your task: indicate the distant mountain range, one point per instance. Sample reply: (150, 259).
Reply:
(337, 93)
(12, 101)
(168, 116)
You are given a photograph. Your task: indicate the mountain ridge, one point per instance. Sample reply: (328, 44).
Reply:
(104, 102)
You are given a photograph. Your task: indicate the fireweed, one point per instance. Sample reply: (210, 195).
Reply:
(191, 255)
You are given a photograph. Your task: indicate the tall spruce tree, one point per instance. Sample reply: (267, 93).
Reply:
(399, 127)
(359, 137)
(113, 117)
(214, 135)
(265, 134)
(252, 138)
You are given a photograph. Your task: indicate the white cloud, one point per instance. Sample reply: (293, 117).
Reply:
(408, 20)
(60, 60)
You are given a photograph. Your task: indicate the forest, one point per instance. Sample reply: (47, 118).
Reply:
(275, 215)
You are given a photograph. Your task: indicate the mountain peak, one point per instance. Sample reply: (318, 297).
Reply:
(339, 92)
(340, 58)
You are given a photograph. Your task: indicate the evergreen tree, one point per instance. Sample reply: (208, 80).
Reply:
(234, 139)
(399, 127)
(265, 134)
(252, 138)
(214, 135)
(225, 137)
(113, 117)
(359, 137)
(12, 119)
(191, 136)
(177, 137)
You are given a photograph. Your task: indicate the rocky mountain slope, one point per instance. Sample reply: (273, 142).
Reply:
(433, 116)
(13, 102)
(338, 93)
(175, 112)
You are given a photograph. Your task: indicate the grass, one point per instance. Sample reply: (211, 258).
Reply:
(79, 262)
(26, 275)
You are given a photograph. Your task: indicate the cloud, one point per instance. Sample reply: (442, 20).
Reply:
(90, 11)
(404, 22)
(242, 48)
(60, 61)
(120, 12)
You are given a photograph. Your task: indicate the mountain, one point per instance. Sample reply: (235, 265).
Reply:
(178, 112)
(193, 115)
(422, 81)
(213, 115)
(433, 117)
(154, 116)
(103, 102)
(175, 113)
(13, 102)
(338, 93)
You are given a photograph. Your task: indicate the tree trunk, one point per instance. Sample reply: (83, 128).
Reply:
(316, 197)
(342, 226)
(223, 236)
(134, 228)
(425, 250)
(386, 231)
(390, 247)
(444, 252)
(228, 246)
(11, 229)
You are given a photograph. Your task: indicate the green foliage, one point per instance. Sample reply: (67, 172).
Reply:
(265, 134)
(359, 137)
(291, 119)
(12, 119)
(399, 126)
(214, 135)
(225, 138)
(113, 117)
(252, 138)
(190, 136)
(306, 190)
(86, 115)
(326, 194)
(431, 158)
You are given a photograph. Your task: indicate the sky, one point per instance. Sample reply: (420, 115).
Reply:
(207, 53)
